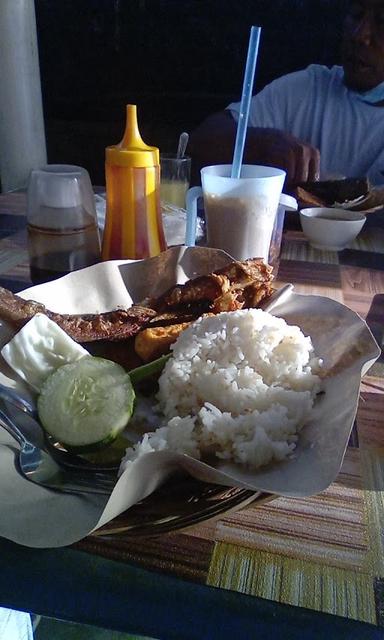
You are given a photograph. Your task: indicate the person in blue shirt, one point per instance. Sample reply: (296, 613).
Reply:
(318, 123)
(15, 625)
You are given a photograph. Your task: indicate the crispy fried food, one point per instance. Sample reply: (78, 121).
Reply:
(238, 285)
(203, 289)
(113, 325)
(242, 274)
(17, 311)
(307, 199)
(222, 290)
(153, 342)
(325, 193)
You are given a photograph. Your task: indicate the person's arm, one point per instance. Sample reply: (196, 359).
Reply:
(213, 143)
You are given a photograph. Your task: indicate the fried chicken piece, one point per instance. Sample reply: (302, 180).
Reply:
(253, 295)
(242, 274)
(216, 290)
(203, 289)
(229, 301)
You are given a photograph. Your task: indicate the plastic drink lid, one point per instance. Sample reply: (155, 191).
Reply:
(132, 150)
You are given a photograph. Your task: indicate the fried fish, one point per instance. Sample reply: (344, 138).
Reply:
(112, 325)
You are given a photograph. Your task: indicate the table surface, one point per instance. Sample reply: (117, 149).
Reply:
(312, 563)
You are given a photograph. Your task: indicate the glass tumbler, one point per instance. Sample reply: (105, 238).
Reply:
(63, 234)
(175, 175)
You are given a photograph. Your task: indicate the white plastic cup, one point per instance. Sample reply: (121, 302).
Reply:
(60, 196)
(240, 212)
(63, 234)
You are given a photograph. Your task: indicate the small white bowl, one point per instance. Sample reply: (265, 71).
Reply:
(331, 229)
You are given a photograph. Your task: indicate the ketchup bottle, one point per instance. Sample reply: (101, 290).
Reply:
(133, 223)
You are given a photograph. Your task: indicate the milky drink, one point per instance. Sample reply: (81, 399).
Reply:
(240, 212)
(240, 226)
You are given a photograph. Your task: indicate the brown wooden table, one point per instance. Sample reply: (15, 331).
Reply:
(319, 554)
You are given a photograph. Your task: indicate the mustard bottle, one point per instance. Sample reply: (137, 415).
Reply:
(133, 223)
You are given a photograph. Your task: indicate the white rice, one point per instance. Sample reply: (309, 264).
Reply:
(240, 386)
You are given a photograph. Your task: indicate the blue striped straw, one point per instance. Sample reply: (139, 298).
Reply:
(253, 50)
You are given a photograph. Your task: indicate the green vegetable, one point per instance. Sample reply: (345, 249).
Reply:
(149, 369)
(86, 404)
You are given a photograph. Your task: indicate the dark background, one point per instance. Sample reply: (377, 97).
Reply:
(178, 60)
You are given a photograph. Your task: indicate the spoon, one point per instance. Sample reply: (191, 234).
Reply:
(26, 414)
(183, 141)
(39, 467)
(22, 407)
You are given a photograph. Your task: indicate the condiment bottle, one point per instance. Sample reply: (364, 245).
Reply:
(133, 224)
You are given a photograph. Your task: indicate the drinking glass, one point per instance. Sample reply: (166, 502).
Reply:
(174, 179)
(63, 235)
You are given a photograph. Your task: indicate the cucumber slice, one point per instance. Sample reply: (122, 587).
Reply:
(86, 404)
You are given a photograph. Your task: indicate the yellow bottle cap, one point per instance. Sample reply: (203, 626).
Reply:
(132, 150)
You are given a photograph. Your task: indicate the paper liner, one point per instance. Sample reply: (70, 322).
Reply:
(38, 517)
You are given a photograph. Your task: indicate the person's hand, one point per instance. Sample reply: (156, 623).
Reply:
(276, 148)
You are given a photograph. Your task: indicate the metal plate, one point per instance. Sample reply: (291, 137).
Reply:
(181, 502)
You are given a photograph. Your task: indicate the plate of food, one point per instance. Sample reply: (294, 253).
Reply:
(258, 394)
(353, 194)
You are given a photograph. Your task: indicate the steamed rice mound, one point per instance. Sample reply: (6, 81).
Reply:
(240, 386)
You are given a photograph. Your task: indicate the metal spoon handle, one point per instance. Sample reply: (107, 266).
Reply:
(23, 404)
(13, 430)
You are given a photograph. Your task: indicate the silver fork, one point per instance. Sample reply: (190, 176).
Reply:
(39, 467)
